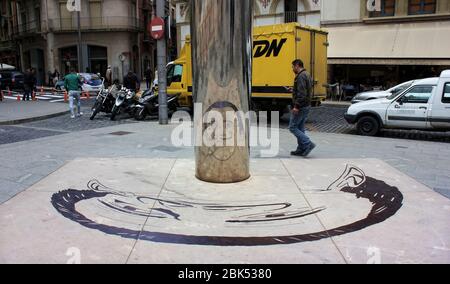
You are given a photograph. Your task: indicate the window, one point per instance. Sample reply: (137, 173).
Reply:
(290, 9)
(174, 74)
(419, 7)
(387, 9)
(95, 11)
(65, 17)
(446, 95)
(418, 95)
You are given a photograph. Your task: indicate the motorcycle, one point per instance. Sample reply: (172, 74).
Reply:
(124, 102)
(149, 105)
(105, 100)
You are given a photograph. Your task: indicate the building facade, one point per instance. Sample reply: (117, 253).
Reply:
(43, 34)
(402, 40)
(267, 12)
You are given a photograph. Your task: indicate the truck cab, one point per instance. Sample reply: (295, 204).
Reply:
(423, 106)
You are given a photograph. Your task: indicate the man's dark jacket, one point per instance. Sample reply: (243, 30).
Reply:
(303, 87)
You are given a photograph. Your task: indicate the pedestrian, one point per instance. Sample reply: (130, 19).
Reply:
(56, 76)
(50, 79)
(131, 81)
(148, 77)
(72, 84)
(28, 82)
(108, 77)
(302, 95)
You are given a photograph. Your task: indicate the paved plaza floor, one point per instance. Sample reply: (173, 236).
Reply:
(153, 210)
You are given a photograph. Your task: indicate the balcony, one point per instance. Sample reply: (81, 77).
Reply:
(6, 45)
(26, 29)
(96, 24)
(290, 17)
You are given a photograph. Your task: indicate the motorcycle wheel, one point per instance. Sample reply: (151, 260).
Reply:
(140, 114)
(114, 112)
(95, 109)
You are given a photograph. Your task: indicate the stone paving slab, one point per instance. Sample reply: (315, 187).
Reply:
(13, 112)
(289, 211)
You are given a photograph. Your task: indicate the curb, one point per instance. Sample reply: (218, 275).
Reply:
(32, 119)
(337, 104)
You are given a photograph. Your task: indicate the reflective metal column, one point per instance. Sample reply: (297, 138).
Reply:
(221, 32)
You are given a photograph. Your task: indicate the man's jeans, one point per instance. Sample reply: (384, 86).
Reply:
(74, 95)
(297, 127)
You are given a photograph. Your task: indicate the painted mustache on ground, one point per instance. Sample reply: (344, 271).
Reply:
(386, 201)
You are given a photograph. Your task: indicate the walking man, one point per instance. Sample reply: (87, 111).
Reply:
(28, 84)
(302, 93)
(132, 82)
(108, 77)
(72, 85)
(148, 77)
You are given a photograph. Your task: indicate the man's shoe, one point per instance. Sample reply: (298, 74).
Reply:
(72, 116)
(80, 114)
(297, 153)
(309, 150)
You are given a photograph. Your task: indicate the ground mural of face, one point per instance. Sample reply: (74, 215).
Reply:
(386, 200)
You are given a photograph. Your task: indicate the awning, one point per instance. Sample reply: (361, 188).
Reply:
(424, 43)
(6, 67)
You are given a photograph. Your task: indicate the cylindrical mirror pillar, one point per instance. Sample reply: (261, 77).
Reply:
(221, 37)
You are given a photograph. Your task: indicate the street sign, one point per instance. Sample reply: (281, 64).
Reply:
(73, 5)
(374, 5)
(156, 28)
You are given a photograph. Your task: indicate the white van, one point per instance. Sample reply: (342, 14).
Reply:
(425, 106)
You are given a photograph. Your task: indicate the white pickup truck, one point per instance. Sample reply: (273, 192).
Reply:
(425, 106)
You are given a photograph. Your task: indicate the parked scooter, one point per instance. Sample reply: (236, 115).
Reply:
(149, 105)
(105, 100)
(125, 101)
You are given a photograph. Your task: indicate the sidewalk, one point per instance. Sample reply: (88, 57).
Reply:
(337, 103)
(15, 112)
(140, 203)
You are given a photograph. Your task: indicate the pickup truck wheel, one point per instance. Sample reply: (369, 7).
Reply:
(368, 126)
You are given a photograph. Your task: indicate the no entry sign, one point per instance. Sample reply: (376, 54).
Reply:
(156, 28)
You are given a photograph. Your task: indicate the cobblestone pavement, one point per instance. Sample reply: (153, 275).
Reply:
(58, 125)
(330, 119)
(326, 119)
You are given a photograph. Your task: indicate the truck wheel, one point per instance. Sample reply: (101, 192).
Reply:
(368, 126)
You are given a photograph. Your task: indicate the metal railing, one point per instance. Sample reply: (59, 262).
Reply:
(27, 28)
(6, 44)
(94, 23)
(290, 17)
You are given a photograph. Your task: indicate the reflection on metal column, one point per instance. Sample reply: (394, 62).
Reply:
(221, 59)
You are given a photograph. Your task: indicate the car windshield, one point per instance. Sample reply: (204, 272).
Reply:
(400, 88)
(397, 90)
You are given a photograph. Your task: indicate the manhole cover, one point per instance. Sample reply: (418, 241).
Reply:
(120, 133)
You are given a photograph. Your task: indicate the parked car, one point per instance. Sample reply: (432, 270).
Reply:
(59, 86)
(92, 83)
(12, 79)
(371, 95)
(425, 105)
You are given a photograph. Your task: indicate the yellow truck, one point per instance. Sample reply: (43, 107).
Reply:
(274, 49)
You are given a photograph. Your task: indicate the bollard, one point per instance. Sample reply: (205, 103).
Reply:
(221, 61)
